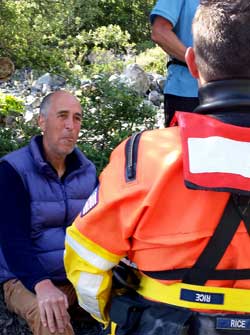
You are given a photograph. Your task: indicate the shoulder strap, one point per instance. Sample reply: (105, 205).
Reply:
(205, 266)
(216, 247)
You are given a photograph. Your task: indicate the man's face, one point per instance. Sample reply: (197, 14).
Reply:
(61, 126)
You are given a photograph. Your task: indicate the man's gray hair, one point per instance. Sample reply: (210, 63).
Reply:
(45, 104)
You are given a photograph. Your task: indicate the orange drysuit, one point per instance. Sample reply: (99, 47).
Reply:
(154, 219)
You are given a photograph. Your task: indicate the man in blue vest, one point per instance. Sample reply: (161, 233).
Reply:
(171, 30)
(43, 187)
(176, 203)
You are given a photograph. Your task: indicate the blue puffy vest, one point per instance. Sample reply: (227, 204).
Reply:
(54, 204)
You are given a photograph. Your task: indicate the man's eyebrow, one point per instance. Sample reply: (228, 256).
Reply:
(62, 111)
(78, 114)
(65, 111)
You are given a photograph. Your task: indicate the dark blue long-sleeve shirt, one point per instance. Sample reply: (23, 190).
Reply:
(15, 229)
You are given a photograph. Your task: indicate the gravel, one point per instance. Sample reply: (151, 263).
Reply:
(11, 324)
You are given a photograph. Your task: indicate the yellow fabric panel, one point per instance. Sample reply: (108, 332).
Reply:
(77, 267)
(113, 328)
(74, 266)
(92, 246)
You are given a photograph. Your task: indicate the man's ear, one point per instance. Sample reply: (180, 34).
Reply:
(41, 122)
(190, 60)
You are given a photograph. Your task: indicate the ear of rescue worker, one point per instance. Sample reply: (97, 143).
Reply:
(190, 60)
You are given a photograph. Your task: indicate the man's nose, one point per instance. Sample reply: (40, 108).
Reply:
(69, 124)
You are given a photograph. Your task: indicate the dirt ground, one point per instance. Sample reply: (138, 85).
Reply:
(10, 324)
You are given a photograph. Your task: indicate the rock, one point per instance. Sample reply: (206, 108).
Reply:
(135, 77)
(155, 98)
(48, 82)
(161, 82)
(10, 120)
(157, 82)
(101, 56)
(2, 322)
(114, 78)
(9, 322)
(22, 86)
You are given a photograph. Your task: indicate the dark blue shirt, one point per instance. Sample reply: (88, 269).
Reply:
(15, 228)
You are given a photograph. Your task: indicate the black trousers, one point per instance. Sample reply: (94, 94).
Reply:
(173, 103)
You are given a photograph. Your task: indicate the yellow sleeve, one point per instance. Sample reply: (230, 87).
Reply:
(88, 267)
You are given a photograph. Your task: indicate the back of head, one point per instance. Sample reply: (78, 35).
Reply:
(222, 40)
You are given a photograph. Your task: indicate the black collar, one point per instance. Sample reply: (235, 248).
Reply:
(227, 100)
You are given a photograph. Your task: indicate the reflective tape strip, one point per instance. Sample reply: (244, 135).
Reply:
(196, 297)
(89, 256)
(229, 156)
(113, 328)
(88, 287)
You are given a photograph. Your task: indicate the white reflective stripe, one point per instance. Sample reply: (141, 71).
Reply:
(129, 262)
(89, 256)
(87, 288)
(219, 154)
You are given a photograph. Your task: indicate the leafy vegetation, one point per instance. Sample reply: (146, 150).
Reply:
(112, 112)
(81, 39)
(14, 131)
(57, 35)
(152, 60)
(10, 105)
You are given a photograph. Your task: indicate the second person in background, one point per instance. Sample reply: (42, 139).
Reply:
(171, 29)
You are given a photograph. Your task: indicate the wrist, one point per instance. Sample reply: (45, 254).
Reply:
(42, 284)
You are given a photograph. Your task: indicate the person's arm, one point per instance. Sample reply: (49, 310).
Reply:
(101, 236)
(15, 229)
(163, 35)
(19, 253)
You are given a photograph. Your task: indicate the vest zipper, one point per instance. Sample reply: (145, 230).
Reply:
(65, 202)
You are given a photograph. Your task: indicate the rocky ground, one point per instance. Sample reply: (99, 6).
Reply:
(10, 324)
(32, 89)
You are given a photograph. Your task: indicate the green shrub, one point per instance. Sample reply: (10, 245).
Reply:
(103, 65)
(18, 132)
(97, 50)
(153, 60)
(55, 35)
(10, 105)
(111, 37)
(144, 45)
(110, 114)
(13, 138)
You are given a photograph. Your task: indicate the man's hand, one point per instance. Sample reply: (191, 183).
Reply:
(53, 305)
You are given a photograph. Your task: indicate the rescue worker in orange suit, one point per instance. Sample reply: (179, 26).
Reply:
(176, 203)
